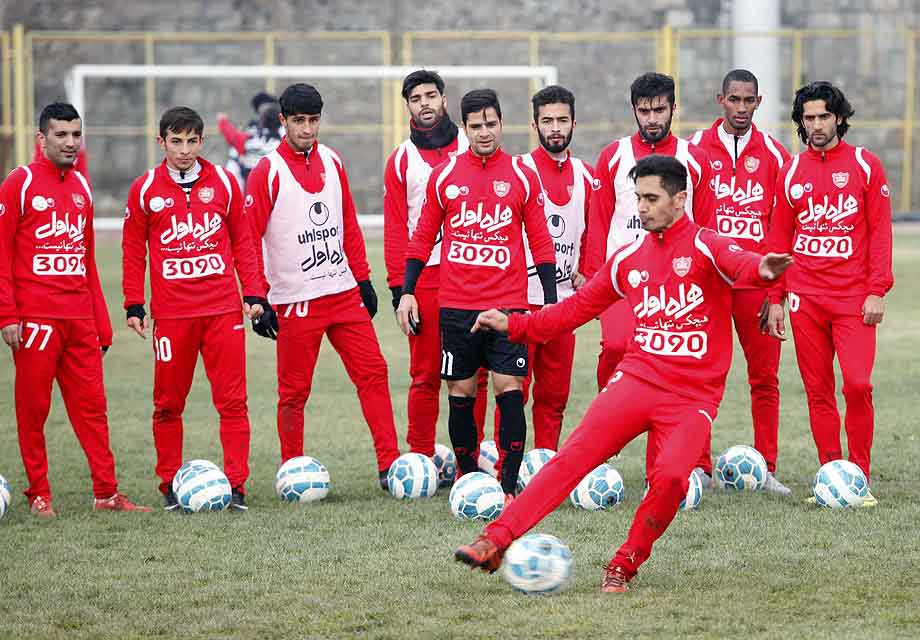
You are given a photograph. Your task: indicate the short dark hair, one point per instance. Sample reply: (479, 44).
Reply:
(479, 100)
(261, 98)
(834, 99)
(422, 76)
(651, 85)
(672, 173)
(179, 120)
(553, 94)
(739, 75)
(56, 111)
(301, 98)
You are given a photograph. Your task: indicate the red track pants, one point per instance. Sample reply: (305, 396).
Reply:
(66, 351)
(626, 408)
(822, 327)
(221, 341)
(344, 319)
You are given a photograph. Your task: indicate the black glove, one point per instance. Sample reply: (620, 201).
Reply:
(267, 324)
(397, 294)
(368, 296)
(253, 300)
(136, 311)
(104, 348)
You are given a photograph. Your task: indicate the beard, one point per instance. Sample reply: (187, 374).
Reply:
(438, 116)
(555, 148)
(665, 130)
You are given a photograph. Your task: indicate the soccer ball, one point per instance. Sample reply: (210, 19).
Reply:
(204, 489)
(446, 463)
(532, 462)
(412, 475)
(302, 479)
(488, 457)
(186, 468)
(694, 493)
(840, 484)
(5, 496)
(477, 496)
(538, 563)
(741, 467)
(601, 489)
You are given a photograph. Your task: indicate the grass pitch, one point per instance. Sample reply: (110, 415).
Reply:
(361, 564)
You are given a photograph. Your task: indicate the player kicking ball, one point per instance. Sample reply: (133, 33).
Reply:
(678, 281)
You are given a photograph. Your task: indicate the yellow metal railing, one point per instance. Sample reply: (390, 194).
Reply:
(666, 48)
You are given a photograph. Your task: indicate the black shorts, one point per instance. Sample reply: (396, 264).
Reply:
(463, 353)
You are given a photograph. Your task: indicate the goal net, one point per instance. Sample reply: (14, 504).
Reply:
(391, 127)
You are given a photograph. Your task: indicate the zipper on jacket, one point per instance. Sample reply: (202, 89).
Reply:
(735, 160)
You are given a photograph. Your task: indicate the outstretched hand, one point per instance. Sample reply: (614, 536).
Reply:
(772, 265)
(493, 320)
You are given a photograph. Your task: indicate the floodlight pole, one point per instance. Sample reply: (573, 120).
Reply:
(759, 54)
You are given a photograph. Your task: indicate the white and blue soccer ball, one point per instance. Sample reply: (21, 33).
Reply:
(601, 489)
(694, 493)
(477, 496)
(187, 468)
(531, 463)
(538, 563)
(741, 467)
(302, 479)
(488, 457)
(204, 489)
(6, 494)
(446, 463)
(412, 475)
(840, 484)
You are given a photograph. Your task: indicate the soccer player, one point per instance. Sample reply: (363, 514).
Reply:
(52, 311)
(433, 138)
(189, 212)
(833, 211)
(260, 136)
(567, 183)
(745, 162)
(483, 199)
(301, 211)
(614, 219)
(677, 280)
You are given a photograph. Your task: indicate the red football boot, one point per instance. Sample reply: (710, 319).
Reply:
(483, 553)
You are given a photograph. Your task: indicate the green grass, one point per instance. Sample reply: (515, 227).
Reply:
(361, 564)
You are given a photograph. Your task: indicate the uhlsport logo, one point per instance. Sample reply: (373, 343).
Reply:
(249, 200)
(636, 277)
(319, 213)
(521, 363)
(555, 224)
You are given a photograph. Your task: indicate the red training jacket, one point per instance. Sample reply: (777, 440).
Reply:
(197, 245)
(833, 213)
(744, 176)
(483, 204)
(47, 248)
(678, 283)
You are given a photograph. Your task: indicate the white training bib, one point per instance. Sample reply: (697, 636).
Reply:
(416, 180)
(566, 224)
(303, 243)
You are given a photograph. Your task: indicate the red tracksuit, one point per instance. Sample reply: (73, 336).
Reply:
(198, 242)
(614, 222)
(567, 187)
(405, 180)
(50, 287)
(670, 383)
(300, 209)
(745, 169)
(833, 212)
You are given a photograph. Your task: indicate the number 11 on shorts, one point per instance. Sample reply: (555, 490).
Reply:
(447, 363)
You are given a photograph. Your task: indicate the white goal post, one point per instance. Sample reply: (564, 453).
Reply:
(78, 74)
